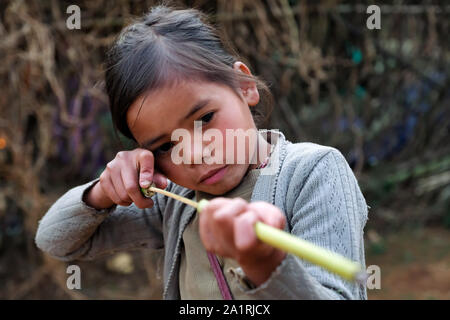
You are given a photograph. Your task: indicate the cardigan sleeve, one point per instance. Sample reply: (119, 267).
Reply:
(72, 230)
(328, 209)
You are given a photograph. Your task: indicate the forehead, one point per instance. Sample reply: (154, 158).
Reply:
(173, 98)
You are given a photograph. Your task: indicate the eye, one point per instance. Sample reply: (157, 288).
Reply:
(164, 148)
(207, 117)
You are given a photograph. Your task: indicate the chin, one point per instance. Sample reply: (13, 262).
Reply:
(217, 190)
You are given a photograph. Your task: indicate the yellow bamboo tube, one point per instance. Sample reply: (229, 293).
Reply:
(285, 241)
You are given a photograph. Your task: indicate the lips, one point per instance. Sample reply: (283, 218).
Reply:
(213, 176)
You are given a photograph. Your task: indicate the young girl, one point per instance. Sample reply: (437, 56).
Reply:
(165, 72)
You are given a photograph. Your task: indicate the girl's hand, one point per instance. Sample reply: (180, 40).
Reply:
(120, 182)
(226, 228)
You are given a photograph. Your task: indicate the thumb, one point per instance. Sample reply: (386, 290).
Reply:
(145, 164)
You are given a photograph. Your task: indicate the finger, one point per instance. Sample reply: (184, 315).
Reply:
(207, 230)
(145, 165)
(160, 180)
(229, 209)
(244, 232)
(269, 214)
(116, 179)
(246, 240)
(214, 204)
(220, 223)
(108, 188)
(206, 217)
(129, 179)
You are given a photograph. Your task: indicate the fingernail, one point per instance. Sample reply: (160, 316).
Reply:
(145, 183)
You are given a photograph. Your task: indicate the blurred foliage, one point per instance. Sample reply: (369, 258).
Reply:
(379, 96)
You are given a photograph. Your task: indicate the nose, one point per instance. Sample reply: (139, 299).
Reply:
(194, 154)
(203, 150)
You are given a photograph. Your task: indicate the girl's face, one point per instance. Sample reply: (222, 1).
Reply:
(217, 106)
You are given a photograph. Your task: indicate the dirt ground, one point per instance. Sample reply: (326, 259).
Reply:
(414, 264)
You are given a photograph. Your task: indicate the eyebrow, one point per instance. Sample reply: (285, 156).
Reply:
(198, 106)
(148, 143)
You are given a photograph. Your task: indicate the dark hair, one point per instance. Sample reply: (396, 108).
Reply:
(164, 46)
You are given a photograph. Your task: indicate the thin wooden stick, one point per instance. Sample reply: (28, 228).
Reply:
(151, 190)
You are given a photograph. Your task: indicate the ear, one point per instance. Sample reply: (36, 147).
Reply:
(248, 88)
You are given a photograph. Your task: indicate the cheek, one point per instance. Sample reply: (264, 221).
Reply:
(231, 120)
(232, 117)
(235, 118)
(170, 170)
(165, 165)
